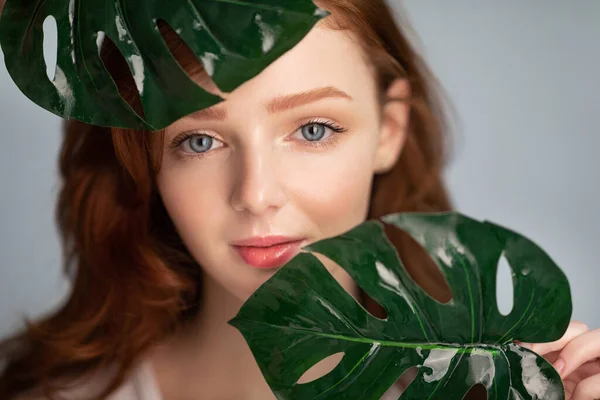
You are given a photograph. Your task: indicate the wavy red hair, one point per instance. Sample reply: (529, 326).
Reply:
(134, 283)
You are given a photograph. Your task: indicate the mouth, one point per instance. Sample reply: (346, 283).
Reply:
(268, 252)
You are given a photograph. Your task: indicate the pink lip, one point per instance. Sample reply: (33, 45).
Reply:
(268, 252)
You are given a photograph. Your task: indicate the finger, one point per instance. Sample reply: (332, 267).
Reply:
(552, 356)
(584, 348)
(575, 329)
(587, 369)
(588, 389)
(569, 385)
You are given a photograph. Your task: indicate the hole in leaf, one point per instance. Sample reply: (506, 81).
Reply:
(117, 67)
(419, 265)
(504, 286)
(352, 287)
(407, 377)
(50, 45)
(477, 392)
(373, 307)
(321, 368)
(199, 72)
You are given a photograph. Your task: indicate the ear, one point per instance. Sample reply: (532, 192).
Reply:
(394, 125)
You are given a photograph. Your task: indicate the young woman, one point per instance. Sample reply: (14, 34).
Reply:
(167, 233)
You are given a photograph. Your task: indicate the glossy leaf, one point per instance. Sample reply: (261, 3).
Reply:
(302, 315)
(234, 40)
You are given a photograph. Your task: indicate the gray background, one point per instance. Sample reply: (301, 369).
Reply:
(523, 77)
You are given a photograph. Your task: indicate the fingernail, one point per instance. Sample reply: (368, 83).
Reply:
(526, 345)
(559, 366)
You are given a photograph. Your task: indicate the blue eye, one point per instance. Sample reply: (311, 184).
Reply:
(200, 143)
(314, 131)
(319, 133)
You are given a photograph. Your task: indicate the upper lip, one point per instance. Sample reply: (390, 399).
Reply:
(265, 241)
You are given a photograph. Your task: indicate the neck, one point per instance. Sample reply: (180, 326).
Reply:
(210, 359)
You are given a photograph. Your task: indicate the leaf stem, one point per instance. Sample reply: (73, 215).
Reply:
(457, 347)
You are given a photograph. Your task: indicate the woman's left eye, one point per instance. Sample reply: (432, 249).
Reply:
(316, 132)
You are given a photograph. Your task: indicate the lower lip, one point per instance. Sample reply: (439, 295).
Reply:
(269, 257)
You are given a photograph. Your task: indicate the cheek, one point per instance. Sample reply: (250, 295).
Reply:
(333, 191)
(192, 201)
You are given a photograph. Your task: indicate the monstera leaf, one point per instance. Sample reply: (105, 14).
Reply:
(302, 315)
(234, 40)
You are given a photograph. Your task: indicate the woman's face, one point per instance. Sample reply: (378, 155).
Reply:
(289, 153)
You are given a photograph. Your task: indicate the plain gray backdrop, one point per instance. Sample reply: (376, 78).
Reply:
(523, 78)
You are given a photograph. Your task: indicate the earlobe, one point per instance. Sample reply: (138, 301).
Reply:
(394, 125)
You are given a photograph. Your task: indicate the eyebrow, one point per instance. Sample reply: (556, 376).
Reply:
(284, 103)
(279, 104)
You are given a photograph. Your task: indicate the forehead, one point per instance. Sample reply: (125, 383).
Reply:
(324, 58)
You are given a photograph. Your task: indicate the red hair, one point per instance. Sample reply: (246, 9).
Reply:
(134, 282)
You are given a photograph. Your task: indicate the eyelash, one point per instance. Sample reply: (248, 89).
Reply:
(331, 141)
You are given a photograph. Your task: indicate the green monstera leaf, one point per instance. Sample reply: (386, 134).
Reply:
(234, 40)
(302, 315)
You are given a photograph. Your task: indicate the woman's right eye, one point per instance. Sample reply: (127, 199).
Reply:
(197, 143)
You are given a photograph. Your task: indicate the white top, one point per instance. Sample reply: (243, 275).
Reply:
(142, 385)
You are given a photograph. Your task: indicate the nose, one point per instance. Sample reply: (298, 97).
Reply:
(257, 186)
